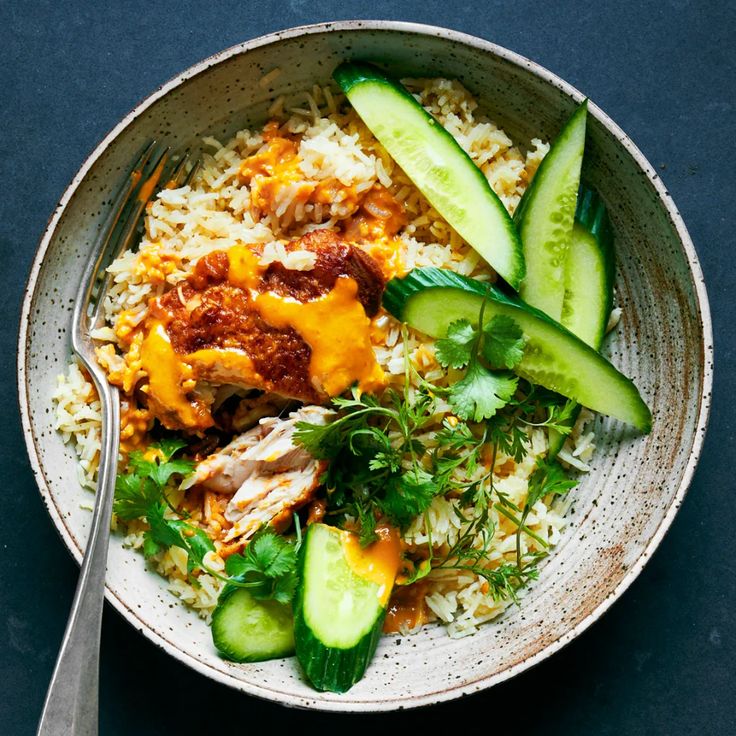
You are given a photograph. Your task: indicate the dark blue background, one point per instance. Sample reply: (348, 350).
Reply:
(662, 660)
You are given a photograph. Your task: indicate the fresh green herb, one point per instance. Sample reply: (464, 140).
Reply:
(380, 467)
(481, 392)
(503, 342)
(267, 567)
(141, 493)
(408, 495)
(548, 479)
(456, 350)
(373, 450)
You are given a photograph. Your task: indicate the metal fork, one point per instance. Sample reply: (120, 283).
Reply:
(71, 706)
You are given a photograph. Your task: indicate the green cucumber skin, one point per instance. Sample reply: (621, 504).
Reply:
(545, 242)
(329, 668)
(591, 221)
(503, 253)
(231, 649)
(333, 670)
(619, 398)
(592, 237)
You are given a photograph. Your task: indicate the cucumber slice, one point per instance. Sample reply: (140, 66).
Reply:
(338, 612)
(589, 276)
(439, 167)
(429, 299)
(589, 271)
(545, 217)
(245, 629)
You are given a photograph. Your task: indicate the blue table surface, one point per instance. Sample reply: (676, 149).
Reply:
(661, 661)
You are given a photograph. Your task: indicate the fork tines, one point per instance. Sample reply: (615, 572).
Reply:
(121, 228)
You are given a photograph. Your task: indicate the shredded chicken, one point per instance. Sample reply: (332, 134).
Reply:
(269, 475)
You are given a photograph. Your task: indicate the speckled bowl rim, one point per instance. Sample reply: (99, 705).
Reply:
(450, 692)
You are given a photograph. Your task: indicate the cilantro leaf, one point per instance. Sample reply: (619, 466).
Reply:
(134, 496)
(503, 342)
(456, 350)
(367, 522)
(165, 533)
(267, 567)
(481, 393)
(284, 588)
(195, 541)
(168, 448)
(271, 555)
(408, 495)
(165, 470)
(160, 530)
(140, 493)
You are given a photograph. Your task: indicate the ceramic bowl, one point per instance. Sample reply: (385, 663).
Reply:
(622, 508)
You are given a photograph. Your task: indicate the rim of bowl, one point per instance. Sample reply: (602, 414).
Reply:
(451, 692)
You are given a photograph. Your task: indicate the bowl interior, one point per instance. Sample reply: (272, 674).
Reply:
(621, 507)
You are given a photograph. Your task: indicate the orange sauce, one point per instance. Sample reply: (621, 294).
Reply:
(406, 609)
(375, 225)
(244, 268)
(505, 469)
(170, 379)
(277, 164)
(221, 365)
(380, 216)
(155, 266)
(332, 190)
(379, 562)
(134, 424)
(269, 170)
(336, 329)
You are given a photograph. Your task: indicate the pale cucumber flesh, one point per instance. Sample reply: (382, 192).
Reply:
(586, 307)
(339, 607)
(245, 629)
(589, 277)
(545, 218)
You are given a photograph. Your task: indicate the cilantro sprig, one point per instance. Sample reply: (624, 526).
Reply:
(141, 493)
(374, 450)
(381, 465)
(267, 566)
(498, 343)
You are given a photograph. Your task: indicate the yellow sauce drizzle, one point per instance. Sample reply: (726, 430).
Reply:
(169, 379)
(337, 330)
(378, 562)
(244, 268)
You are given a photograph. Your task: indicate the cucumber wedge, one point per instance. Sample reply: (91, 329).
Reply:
(545, 215)
(339, 607)
(589, 271)
(439, 167)
(429, 299)
(589, 275)
(245, 629)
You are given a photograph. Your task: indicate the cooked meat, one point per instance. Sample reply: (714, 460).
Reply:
(379, 215)
(216, 327)
(223, 317)
(335, 258)
(269, 476)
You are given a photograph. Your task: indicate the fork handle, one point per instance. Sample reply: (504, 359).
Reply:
(71, 706)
